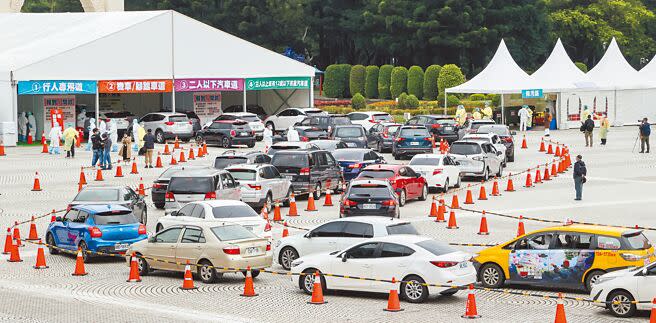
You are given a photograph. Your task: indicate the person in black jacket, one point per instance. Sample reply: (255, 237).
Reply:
(579, 176)
(645, 131)
(149, 145)
(587, 128)
(96, 146)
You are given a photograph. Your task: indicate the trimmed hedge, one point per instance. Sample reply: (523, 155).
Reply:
(582, 66)
(411, 101)
(336, 81)
(450, 76)
(398, 81)
(430, 82)
(371, 82)
(477, 97)
(358, 102)
(416, 81)
(384, 80)
(451, 101)
(356, 80)
(402, 98)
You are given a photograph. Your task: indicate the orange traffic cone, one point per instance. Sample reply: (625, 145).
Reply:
(14, 254)
(554, 173)
(79, 265)
(142, 189)
(158, 162)
(17, 235)
(452, 221)
(550, 150)
(200, 152)
(561, 169)
(173, 161)
(529, 183)
(328, 201)
(9, 241)
(78, 140)
(166, 149)
(30, 140)
(134, 167)
(188, 281)
(83, 179)
(524, 146)
(317, 291)
(285, 231)
(520, 227)
(32, 236)
(2, 150)
(182, 157)
(176, 144)
(468, 198)
(482, 195)
(44, 148)
(40, 257)
(267, 226)
(546, 174)
(652, 316)
(119, 171)
(482, 229)
(310, 205)
(470, 309)
(37, 185)
(264, 213)
(538, 179)
(191, 154)
(440, 212)
(509, 186)
(542, 146)
(99, 175)
(495, 188)
(557, 151)
(454, 202)
(293, 211)
(276, 212)
(204, 149)
(134, 270)
(560, 310)
(393, 304)
(433, 209)
(249, 291)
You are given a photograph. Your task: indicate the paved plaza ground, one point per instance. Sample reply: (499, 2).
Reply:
(620, 190)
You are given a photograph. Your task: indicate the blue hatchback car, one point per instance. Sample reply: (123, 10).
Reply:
(103, 228)
(412, 140)
(353, 160)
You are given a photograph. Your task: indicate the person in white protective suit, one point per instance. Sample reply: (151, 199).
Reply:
(268, 137)
(487, 111)
(55, 136)
(113, 134)
(81, 118)
(31, 125)
(461, 115)
(523, 118)
(292, 134)
(102, 128)
(92, 125)
(22, 127)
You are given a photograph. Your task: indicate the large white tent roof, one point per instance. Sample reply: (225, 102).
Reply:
(130, 45)
(501, 75)
(559, 73)
(648, 73)
(613, 71)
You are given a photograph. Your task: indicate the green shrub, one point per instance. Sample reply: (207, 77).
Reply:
(477, 97)
(411, 101)
(398, 81)
(371, 82)
(452, 100)
(582, 66)
(430, 82)
(384, 79)
(358, 102)
(416, 81)
(345, 76)
(356, 80)
(402, 97)
(450, 76)
(495, 99)
(336, 80)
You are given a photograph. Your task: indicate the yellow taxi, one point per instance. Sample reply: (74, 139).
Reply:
(570, 256)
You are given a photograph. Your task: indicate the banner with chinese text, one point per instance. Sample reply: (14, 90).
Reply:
(63, 107)
(195, 85)
(56, 87)
(207, 105)
(278, 83)
(135, 86)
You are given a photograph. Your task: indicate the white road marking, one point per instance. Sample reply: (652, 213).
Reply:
(578, 205)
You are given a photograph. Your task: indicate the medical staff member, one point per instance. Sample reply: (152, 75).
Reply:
(461, 115)
(55, 136)
(487, 111)
(523, 118)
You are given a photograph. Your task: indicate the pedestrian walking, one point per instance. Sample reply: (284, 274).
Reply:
(125, 152)
(96, 146)
(523, 117)
(645, 131)
(107, 151)
(55, 136)
(587, 127)
(580, 171)
(149, 145)
(603, 129)
(70, 138)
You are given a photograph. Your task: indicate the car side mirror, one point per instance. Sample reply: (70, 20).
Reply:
(237, 183)
(174, 213)
(499, 153)
(644, 271)
(457, 163)
(512, 133)
(417, 175)
(308, 235)
(152, 239)
(59, 219)
(297, 124)
(344, 257)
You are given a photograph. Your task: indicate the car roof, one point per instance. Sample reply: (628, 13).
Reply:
(479, 135)
(363, 150)
(348, 126)
(215, 203)
(488, 121)
(250, 114)
(201, 172)
(246, 166)
(369, 181)
(385, 220)
(369, 112)
(436, 116)
(97, 208)
(389, 124)
(168, 114)
(471, 142)
(428, 156)
(585, 228)
(401, 238)
(392, 167)
(98, 187)
(495, 125)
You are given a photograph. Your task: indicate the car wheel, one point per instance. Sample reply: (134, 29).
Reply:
(445, 188)
(414, 290)
(159, 136)
(225, 142)
(592, 278)
(424, 193)
(379, 147)
(317, 191)
(396, 157)
(144, 216)
(402, 198)
(159, 227)
(511, 159)
(251, 144)
(206, 272)
(491, 276)
(159, 205)
(623, 307)
(50, 240)
(306, 281)
(287, 255)
(289, 193)
(269, 202)
(142, 265)
(85, 255)
(199, 138)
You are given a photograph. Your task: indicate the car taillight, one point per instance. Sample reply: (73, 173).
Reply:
(94, 232)
(255, 187)
(168, 123)
(210, 196)
(428, 139)
(233, 133)
(507, 139)
(348, 202)
(392, 181)
(268, 247)
(444, 264)
(142, 229)
(437, 171)
(389, 203)
(267, 227)
(305, 139)
(232, 250)
(169, 197)
(190, 122)
(305, 171)
(385, 134)
(155, 185)
(436, 125)
(356, 165)
(372, 120)
(399, 139)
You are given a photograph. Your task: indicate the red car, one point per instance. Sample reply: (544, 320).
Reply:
(406, 183)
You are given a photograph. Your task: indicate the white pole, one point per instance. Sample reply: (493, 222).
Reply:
(503, 117)
(97, 107)
(244, 106)
(172, 63)
(445, 94)
(311, 105)
(615, 106)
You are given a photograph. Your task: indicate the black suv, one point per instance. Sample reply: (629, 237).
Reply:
(440, 126)
(322, 125)
(309, 169)
(227, 133)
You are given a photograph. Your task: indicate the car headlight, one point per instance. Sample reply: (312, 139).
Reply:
(296, 263)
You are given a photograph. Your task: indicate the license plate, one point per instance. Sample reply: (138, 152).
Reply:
(368, 206)
(350, 144)
(249, 228)
(463, 264)
(252, 251)
(243, 134)
(121, 246)
(414, 143)
(448, 128)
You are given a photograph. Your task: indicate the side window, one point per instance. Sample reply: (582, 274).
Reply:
(168, 236)
(215, 125)
(358, 230)
(609, 243)
(229, 180)
(193, 235)
(146, 118)
(199, 212)
(286, 113)
(363, 251)
(395, 250)
(158, 117)
(332, 229)
(71, 215)
(403, 172)
(370, 155)
(321, 159)
(330, 159)
(81, 217)
(129, 194)
(447, 161)
(262, 159)
(306, 122)
(412, 121)
(357, 116)
(265, 173)
(572, 240)
(409, 172)
(651, 271)
(187, 210)
(274, 172)
(535, 242)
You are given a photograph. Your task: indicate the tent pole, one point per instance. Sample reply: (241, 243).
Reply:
(311, 94)
(244, 106)
(172, 62)
(615, 107)
(97, 107)
(445, 94)
(503, 117)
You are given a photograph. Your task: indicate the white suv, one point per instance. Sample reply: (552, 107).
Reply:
(369, 119)
(261, 183)
(288, 117)
(168, 125)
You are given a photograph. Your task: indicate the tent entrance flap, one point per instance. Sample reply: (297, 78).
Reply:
(284, 100)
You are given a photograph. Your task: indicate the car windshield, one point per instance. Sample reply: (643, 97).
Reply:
(638, 241)
(249, 118)
(233, 211)
(178, 118)
(341, 120)
(243, 174)
(326, 145)
(114, 217)
(370, 173)
(501, 131)
(349, 132)
(477, 125)
(414, 132)
(373, 190)
(225, 161)
(425, 161)
(97, 195)
(232, 232)
(463, 148)
(120, 114)
(190, 185)
(393, 129)
(477, 139)
(446, 122)
(290, 160)
(382, 117)
(348, 154)
(436, 248)
(402, 228)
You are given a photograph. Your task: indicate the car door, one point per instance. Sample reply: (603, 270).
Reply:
(279, 186)
(137, 203)
(77, 229)
(233, 189)
(321, 239)
(451, 169)
(530, 258)
(162, 247)
(285, 119)
(498, 144)
(354, 262)
(263, 178)
(191, 246)
(373, 134)
(496, 156)
(646, 284)
(212, 132)
(413, 183)
(317, 169)
(392, 262)
(334, 173)
(490, 157)
(60, 230)
(571, 256)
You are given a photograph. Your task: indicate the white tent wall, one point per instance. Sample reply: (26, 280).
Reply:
(8, 114)
(570, 108)
(633, 105)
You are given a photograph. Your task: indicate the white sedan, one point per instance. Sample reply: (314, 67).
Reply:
(336, 235)
(440, 171)
(625, 286)
(414, 260)
(218, 211)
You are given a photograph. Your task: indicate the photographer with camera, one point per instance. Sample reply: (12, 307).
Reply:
(645, 131)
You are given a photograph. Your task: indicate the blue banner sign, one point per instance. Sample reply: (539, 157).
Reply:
(532, 94)
(56, 87)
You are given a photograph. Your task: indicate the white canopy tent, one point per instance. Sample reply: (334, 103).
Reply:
(126, 46)
(558, 73)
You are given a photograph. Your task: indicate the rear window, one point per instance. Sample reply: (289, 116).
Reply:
(290, 160)
(477, 125)
(425, 161)
(190, 185)
(249, 118)
(414, 132)
(243, 174)
(97, 195)
(382, 117)
(445, 122)
(114, 217)
(341, 120)
(377, 173)
(233, 211)
(501, 131)
(347, 154)
(392, 130)
(223, 162)
(178, 118)
(402, 228)
(121, 114)
(232, 232)
(461, 148)
(314, 112)
(378, 191)
(435, 247)
(638, 241)
(349, 132)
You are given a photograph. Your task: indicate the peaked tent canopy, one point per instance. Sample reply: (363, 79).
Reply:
(559, 73)
(648, 73)
(613, 71)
